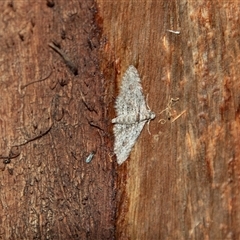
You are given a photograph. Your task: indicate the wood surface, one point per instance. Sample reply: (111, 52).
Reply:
(53, 114)
(61, 68)
(182, 181)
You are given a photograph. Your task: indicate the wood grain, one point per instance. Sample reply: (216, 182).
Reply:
(181, 182)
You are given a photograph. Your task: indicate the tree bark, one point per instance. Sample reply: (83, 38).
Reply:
(180, 182)
(61, 69)
(53, 116)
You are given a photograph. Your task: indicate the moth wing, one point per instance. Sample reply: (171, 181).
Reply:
(125, 138)
(130, 98)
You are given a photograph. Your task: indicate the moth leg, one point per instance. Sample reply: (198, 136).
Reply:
(163, 121)
(168, 109)
(173, 101)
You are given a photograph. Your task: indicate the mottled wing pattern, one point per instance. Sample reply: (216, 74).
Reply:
(130, 98)
(125, 138)
(130, 103)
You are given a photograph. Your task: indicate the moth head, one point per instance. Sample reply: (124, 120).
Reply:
(152, 115)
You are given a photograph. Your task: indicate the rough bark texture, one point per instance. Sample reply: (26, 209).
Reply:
(181, 182)
(52, 116)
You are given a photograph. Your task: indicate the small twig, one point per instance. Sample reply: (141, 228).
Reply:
(178, 116)
(66, 59)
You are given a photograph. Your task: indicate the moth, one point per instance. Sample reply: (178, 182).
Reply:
(132, 114)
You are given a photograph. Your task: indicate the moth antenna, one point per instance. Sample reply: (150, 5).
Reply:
(147, 103)
(148, 123)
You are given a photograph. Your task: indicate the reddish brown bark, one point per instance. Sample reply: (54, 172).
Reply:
(53, 116)
(181, 182)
